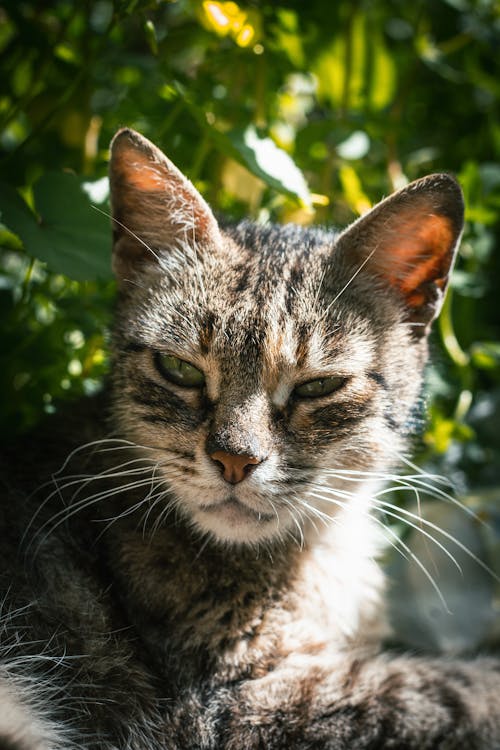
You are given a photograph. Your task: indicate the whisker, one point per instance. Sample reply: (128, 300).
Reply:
(132, 234)
(356, 272)
(383, 505)
(399, 542)
(392, 509)
(66, 513)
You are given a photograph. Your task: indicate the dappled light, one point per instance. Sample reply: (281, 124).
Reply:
(284, 112)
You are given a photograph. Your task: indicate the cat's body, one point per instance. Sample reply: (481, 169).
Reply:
(200, 573)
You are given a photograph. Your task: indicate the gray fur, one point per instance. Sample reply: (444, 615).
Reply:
(150, 604)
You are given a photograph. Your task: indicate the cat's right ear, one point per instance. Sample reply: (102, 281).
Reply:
(154, 207)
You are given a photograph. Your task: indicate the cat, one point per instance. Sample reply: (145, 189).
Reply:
(188, 560)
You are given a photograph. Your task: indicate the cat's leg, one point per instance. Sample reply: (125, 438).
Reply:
(24, 717)
(402, 702)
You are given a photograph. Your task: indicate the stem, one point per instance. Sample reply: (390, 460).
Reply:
(65, 96)
(260, 93)
(200, 155)
(26, 281)
(459, 357)
(40, 74)
(170, 118)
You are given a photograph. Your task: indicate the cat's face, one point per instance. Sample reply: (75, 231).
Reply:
(266, 369)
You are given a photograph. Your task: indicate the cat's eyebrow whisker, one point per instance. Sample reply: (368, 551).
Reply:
(134, 282)
(194, 255)
(319, 288)
(134, 235)
(351, 279)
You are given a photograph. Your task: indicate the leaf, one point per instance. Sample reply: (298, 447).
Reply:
(356, 146)
(67, 234)
(260, 155)
(151, 37)
(383, 73)
(486, 355)
(269, 162)
(353, 191)
(356, 70)
(15, 213)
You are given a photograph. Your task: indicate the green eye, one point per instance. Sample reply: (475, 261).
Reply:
(179, 372)
(319, 387)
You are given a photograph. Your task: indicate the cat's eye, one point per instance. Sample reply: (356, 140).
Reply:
(319, 387)
(179, 372)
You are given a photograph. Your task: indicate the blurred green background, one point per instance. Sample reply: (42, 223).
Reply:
(289, 111)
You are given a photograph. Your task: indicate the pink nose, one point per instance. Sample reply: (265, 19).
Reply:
(235, 466)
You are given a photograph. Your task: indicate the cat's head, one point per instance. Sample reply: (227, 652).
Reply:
(267, 370)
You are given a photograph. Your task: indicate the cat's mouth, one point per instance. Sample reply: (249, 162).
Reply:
(233, 510)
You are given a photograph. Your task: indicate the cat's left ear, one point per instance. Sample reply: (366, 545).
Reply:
(409, 242)
(155, 208)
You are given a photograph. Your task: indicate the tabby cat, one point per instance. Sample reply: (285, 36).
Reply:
(187, 562)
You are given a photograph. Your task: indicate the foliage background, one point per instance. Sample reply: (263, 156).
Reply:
(290, 111)
(359, 97)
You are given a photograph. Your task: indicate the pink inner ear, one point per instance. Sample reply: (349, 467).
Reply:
(140, 172)
(419, 253)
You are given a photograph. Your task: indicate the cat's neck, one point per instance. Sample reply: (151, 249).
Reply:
(222, 609)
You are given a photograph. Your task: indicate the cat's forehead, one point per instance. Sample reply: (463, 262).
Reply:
(259, 316)
(279, 253)
(260, 292)
(266, 267)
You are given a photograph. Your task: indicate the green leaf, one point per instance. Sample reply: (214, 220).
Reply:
(444, 430)
(259, 154)
(383, 72)
(15, 213)
(150, 31)
(486, 354)
(353, 190)
(67, 234)
(269, 162)
(357, 69)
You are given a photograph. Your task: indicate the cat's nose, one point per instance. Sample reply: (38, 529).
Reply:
(235, 466)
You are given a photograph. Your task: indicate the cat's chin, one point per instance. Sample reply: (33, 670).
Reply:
(232, 521)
